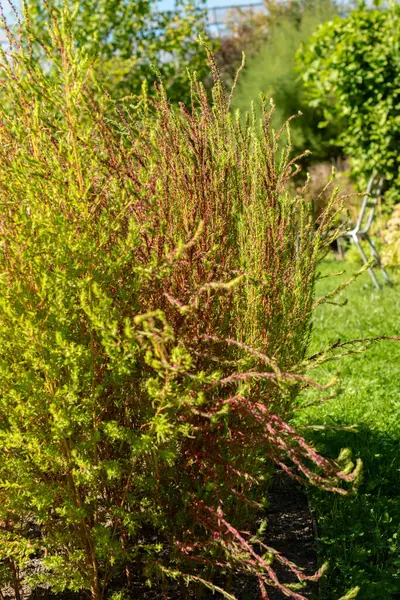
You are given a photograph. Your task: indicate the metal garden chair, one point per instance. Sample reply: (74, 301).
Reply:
(361, 230)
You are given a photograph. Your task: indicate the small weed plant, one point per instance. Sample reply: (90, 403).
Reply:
(156, 289)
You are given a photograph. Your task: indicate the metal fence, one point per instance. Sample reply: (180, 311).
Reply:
(217, 16)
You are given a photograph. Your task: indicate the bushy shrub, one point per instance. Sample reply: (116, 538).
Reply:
(156, 289)
(351, 70)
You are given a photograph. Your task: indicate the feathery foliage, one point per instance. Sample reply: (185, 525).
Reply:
(156, 289)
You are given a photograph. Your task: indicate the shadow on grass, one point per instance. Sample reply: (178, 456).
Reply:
(360, 533)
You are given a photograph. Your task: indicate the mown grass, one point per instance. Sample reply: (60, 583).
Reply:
(360, 534)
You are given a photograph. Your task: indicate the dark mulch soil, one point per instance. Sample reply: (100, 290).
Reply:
(290, 530)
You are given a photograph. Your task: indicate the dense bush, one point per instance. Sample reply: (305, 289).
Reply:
(351, 68)
(156, 289)
(272, 71)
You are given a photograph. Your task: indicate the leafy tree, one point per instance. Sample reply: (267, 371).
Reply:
(127, 40)
(351, 70)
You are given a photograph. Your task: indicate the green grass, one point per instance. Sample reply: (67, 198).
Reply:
(360, 534)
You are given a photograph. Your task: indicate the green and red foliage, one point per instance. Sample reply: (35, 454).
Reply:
(156, 291)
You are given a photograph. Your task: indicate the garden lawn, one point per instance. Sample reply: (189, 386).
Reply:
(360, 534)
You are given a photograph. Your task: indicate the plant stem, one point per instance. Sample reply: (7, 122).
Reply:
(15, 577)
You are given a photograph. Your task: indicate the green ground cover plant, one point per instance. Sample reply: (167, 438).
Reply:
(359, 535)
(156, 293)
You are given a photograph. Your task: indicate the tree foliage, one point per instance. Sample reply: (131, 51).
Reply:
(351, 69)
(129, 40)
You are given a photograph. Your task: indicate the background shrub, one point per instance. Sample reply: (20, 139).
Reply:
(317, 193)
(350, 68)
(272, 71)
(156, 293)
(246, 30)
(391, 254)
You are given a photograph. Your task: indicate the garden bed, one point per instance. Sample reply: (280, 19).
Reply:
(290, 531)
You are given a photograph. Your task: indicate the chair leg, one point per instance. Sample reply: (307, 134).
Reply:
(375, 254)
(365, 259)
